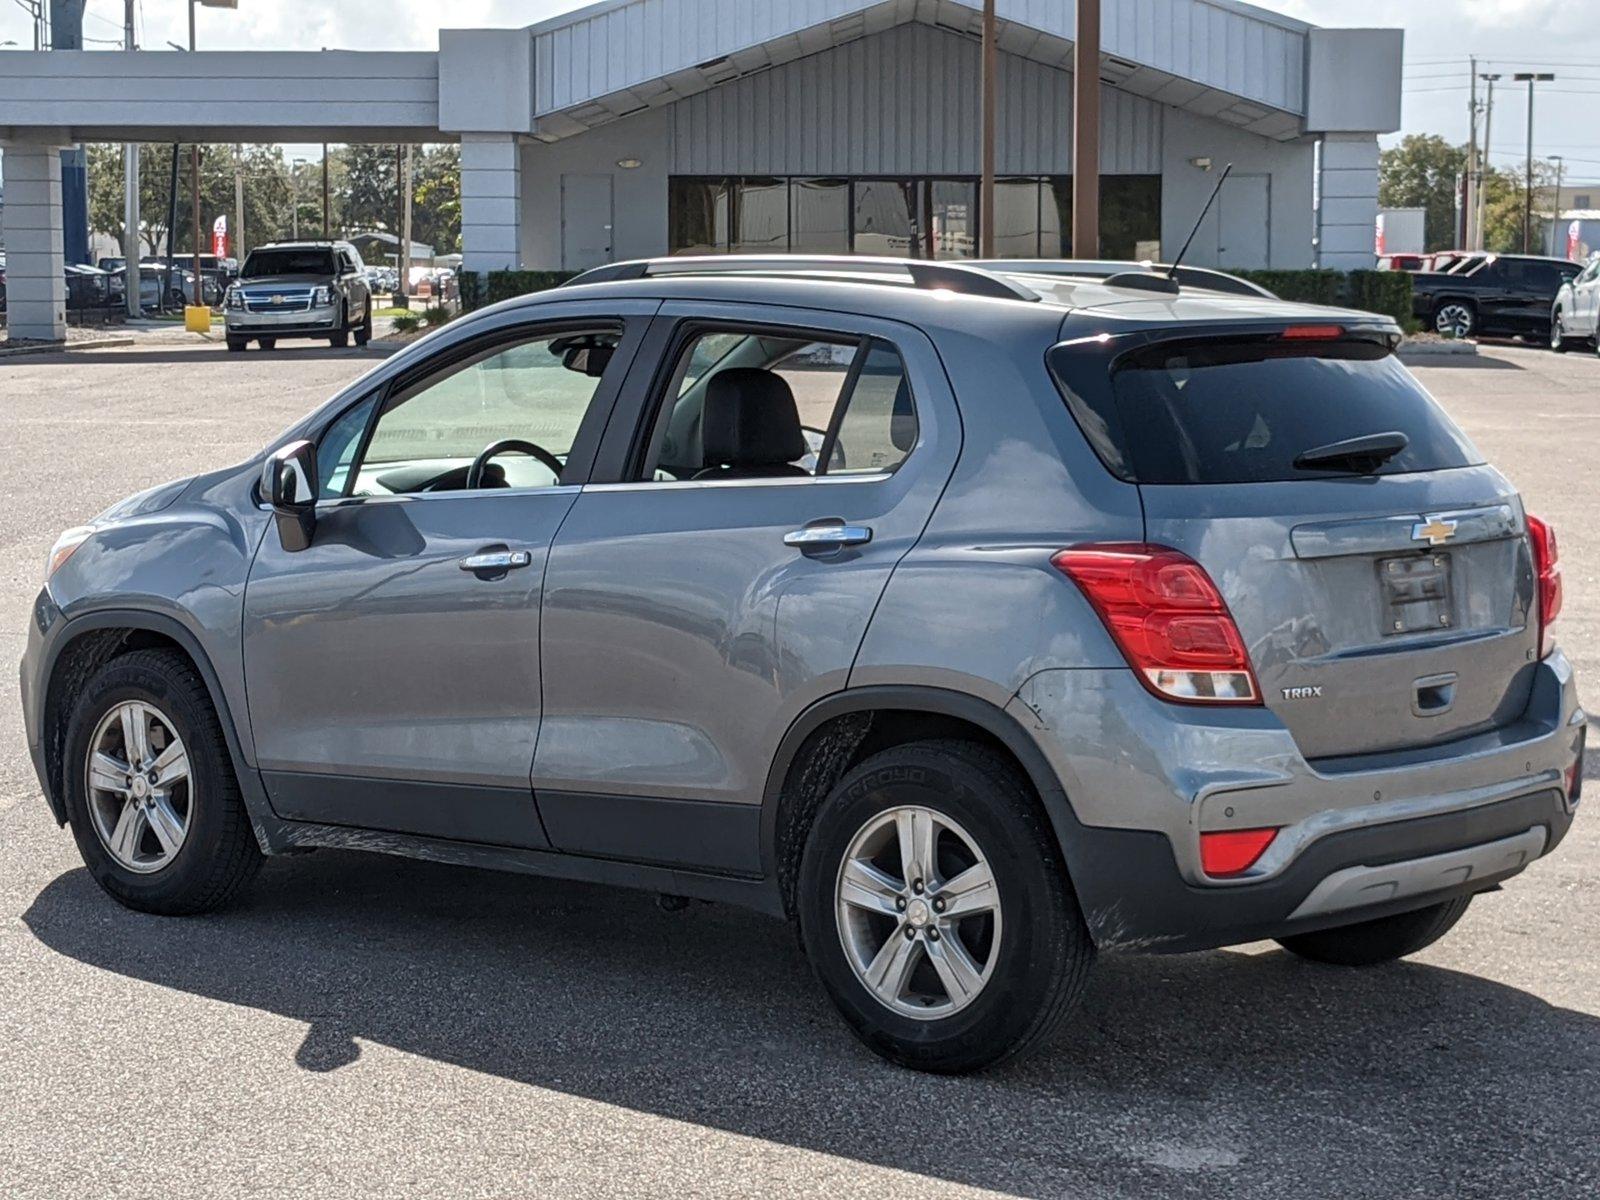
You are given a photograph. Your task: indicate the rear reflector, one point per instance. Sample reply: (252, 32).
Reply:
(1231, 851)
(1547, 570)
(1313, 333)
(1167, 618)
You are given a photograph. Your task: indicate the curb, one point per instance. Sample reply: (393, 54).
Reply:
(10, 351)
(1439, 349)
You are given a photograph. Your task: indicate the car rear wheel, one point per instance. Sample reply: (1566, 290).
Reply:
(151, 794)
(364, 330)
(1558, 334)
(237, 345)
(268, 343)
(1455, 318)
(935, 908)
(1384, 940)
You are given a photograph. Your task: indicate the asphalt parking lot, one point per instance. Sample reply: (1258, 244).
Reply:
(368, 1026)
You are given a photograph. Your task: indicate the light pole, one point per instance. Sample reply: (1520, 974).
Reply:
(294, 184)
(1555, 205)
(1530, 78)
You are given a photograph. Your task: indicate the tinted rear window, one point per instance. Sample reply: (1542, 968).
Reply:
(1241, 411)
(310, 261)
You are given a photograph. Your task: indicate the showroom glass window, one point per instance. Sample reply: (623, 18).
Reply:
(905, 217)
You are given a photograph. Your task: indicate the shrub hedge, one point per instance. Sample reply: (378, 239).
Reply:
(478, 289)
(1386, 292)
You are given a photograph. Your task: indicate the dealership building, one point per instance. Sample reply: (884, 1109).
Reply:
(635, 128)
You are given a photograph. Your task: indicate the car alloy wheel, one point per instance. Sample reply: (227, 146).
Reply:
(1558, 334)
(918, 912)
(1453, 320)
(140, 793)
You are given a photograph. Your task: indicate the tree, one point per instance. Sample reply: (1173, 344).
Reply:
(368, 196)
(1423, 171)
(436, 198)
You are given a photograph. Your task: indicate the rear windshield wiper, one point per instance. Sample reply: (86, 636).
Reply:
(1359, 455)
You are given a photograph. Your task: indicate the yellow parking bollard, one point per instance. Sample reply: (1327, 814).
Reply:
(197, 318)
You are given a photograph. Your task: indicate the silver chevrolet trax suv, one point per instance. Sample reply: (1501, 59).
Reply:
(976, 621)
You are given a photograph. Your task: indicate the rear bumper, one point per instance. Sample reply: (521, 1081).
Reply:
(1357, 838)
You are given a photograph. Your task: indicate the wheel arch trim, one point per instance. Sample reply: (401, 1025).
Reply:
(262, 819)
(915, 698)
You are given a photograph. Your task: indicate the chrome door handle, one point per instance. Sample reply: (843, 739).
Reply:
(496, 560)
(828, 535)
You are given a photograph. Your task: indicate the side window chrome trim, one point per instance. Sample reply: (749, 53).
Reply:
(786, 481)
(327, 503)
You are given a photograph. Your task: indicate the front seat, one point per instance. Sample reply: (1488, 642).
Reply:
(750, 426)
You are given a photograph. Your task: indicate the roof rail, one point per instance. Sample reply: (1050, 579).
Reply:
(929, 276)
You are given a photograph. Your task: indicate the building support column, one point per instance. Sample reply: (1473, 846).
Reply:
(36, 284)
(491, 202)
(1347, 214)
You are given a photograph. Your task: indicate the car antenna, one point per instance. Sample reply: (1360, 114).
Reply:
(1172, 271)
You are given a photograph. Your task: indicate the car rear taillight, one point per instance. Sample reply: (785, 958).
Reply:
(1547, 570)
(1167, 618)
(1233, 851)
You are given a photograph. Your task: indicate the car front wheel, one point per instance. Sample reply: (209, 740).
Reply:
(936, 910)
(151, 794)
(1558, 334)
(1455, 318)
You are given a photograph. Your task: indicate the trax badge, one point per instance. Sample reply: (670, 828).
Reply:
(1303, 693)
(1435, 531)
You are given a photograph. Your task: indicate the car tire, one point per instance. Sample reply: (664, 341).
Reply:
(1372, 942)
(1016, 965)
(267, 343)
(1558, 334)
(1455, 318)
(237, 345)
(176, 847)
(364, 330)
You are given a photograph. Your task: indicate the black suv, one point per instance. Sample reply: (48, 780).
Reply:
(1506, 294)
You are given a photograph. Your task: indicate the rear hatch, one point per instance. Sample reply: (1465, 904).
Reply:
(1385, 604)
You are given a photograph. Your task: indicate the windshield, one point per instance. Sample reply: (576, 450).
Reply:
(307, 260)
(1242, 411)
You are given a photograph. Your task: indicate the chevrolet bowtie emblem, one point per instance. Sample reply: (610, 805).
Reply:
(1434, 531)
(279, 300)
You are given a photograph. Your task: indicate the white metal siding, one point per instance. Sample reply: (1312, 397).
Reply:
(1247, 52)
(904, 102)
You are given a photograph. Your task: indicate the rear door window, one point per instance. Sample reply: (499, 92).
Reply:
(1242, 410)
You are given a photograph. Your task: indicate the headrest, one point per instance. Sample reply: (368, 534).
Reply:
(750, 420)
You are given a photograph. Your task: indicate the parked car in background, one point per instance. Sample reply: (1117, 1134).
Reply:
(1575, 315)
(1402, 262)
(1506, 294)
(88, 288)
(300, 290)
(1097, 268)
(1102, 615)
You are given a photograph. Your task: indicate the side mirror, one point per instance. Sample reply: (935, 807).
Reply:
(289, 485)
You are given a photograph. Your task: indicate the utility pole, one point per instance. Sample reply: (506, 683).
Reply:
(986, 189)
(194, 189)
(238, 202)
(327, 229)
(130, 197)
(1474, 176)
(405, 222)
(1530, 78)
(1086, 132)
(1488, 127)
(402, 268)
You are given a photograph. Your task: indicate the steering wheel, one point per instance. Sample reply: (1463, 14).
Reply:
(505, 445)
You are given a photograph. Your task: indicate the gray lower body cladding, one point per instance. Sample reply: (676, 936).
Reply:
(1135, 899)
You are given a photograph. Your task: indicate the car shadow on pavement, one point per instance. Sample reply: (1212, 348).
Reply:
(1176, 1077)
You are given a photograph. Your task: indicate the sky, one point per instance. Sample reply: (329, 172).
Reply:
(1562, 36)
